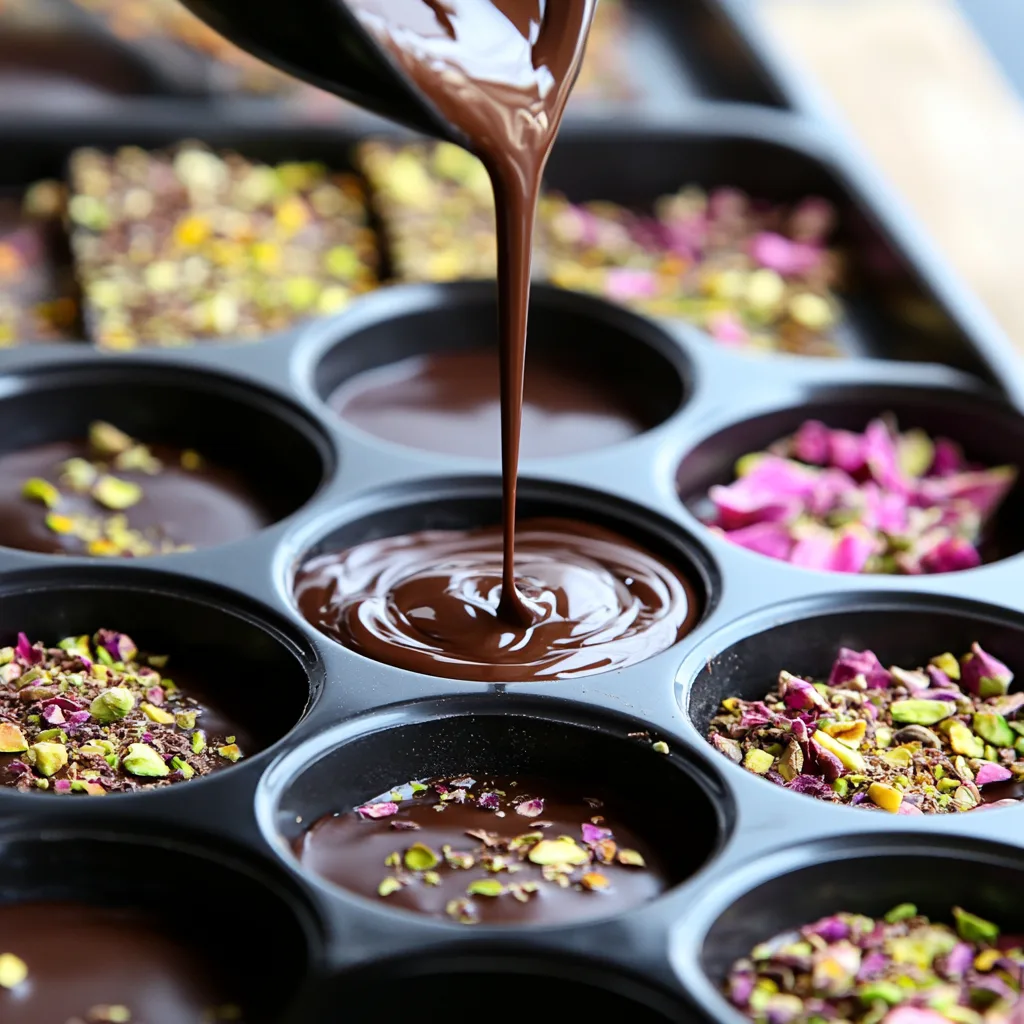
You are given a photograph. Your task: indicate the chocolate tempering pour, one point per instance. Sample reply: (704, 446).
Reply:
(430, 602)
(500, 72)
(63, 963)
(499, 850)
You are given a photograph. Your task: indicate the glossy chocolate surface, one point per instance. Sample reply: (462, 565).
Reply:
(451, 403)
(80, 958)
(194, 507)
(429, 602)
(350, 850)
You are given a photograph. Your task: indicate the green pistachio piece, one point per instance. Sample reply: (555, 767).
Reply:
(112, 705)
(947, 663)
(561, 852)
(965, 799)
(841, 787)
(948, 785)
(901, 912)
(994, 729)
(156, 714)
(76, 645)
(12, 739)
(431, 878)
(849, 757)
(144, 761)
(13, 970)
(37, 489)
(887, 992)
(185, 719)
(198, 741)
(388, 886)
(116, 494)
(661, 747)
(53, 736)
(485, 887)
(230, 751)
(47, 758)
(974, 929)
(421, 858)
(963, 741)
(6, 655)
(989, 687)
(417, 787)
(883, 736)
(921, 712)
(138, 457)
(758, 761)
(106, 440)
(915, 452)
(632, 858)
(791, 761)
(78, 474)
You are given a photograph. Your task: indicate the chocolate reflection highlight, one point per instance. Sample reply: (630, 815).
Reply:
(429, 602)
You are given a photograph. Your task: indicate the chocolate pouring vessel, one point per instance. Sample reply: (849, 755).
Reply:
(336, 729)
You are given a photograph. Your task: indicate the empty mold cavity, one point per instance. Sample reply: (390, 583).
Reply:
(420, 367)
(261, 458)
(190, 896)
(867, 876)
(334, 774)
(991, 433)
(238, 660)
(468, 504)
(503, 988)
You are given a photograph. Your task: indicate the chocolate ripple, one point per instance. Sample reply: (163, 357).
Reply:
(428, 601)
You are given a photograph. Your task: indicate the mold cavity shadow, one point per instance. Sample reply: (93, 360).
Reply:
(861, 876)
(231, 656)
(169, 882)
(901, 631)
(280, 455)
(520, 743)
(990, 432)
(427, 375)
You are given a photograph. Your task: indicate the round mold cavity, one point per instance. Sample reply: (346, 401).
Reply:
(356, 762)
(469, 503)
(419, 367)
(991, 433)
(804, 638)
(278, 456)
(864, 874)
(235, 656)
(202, 898)
(504, 987)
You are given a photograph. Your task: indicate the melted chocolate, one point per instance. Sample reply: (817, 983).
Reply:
(429, 602)
(500, 71)
(199, 507)
(350, 850)
(450, 402)
(80, 958)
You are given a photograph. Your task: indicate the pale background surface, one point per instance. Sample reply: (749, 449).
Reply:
(925, 98)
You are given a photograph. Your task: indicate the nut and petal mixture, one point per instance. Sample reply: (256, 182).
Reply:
(750, 274)
(900, 969)
(881, 501)
(933, 740)
(92, 716)
(171, 247)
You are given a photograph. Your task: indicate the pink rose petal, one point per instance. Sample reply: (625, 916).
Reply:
(989, 772)
(530, 808)
(381, 810)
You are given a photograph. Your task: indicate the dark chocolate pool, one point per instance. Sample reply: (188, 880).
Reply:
(497, 850)
(448, 402)
(64, 962)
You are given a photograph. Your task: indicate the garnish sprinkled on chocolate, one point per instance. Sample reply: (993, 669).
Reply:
(900, 969)
(881, 501)
(110, 495)
(932, 740)
(95, 717)
(497, 850)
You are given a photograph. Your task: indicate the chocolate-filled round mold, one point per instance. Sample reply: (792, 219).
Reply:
(862, 874)
(235, 681)
(425, 374)
(989, 431)
(592, 563)
(504, 987)
(259, 458)
(638, 790)
(804, 639)
(162, 926)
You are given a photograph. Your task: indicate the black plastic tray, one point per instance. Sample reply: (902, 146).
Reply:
(347, 727)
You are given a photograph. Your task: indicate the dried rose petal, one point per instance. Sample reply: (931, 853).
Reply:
(594, 833)
(778, 253)
(488, 801)
(811, 442)
(989, 772)
(379, 810)
(405, 826)
(622, 284)
(831, 929)
(530, 808)
(771, 539)
(915, 1015)
(799, 694)
(809, 785)
(26, 651)
(850, 664)
(119, 646)
(979, 666)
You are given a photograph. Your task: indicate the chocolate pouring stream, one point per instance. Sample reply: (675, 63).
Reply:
(585, 600)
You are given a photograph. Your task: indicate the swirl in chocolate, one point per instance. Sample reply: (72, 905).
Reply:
(429, 602)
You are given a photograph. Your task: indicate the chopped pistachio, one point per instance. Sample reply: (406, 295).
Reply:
(388, 886)
(921, 712)
(37, 489)
(47, 758)
(113, 704)
(993, 729)
(661, 747)
(631, 858)
(13, 971)
(887, 797)
(144, 761)
(974, 929)
(420, 857)
(901, 912)
(106, 440)
(114, 493)
(230, 751)
(849, 757)
(198, 741)
(78, 475)
(185, 720)
(12, 739)
(181, 765)
(758, 761)
(964, 742)
(155, 714)
(485, 887)
(558, 852)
